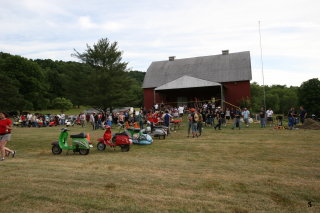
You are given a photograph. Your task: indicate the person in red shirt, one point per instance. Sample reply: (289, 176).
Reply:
(5, 136)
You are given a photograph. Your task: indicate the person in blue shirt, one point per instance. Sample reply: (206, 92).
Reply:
(166, 118)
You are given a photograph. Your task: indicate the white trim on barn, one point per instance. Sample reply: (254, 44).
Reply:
(187, 82)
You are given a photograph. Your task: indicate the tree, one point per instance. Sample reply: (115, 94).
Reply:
(256, 97)
(309, 95)
(138, 75)
(103, 55)
(28, 78)
(11, 99)
(245, 103)
(273, 101)
(280, 98)
(62, 103)
(110, 85)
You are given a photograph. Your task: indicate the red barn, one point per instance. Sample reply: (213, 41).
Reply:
(176, 82)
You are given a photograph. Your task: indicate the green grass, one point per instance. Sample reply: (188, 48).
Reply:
(251, 170)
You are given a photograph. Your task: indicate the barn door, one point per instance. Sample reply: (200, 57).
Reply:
(182, 100)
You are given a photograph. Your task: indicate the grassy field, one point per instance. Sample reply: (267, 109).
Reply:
(251, 170)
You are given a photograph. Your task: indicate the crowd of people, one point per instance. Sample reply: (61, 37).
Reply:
(204, 115)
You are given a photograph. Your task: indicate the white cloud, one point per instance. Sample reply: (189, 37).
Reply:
(282, 77)
(86, 23)
(152, 30)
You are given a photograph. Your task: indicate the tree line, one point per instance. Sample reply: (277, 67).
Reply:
(281, 98)
(102, 80)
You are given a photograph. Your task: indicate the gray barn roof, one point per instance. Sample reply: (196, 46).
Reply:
(215, 68)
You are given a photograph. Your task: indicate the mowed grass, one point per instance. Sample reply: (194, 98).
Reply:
(251, 170)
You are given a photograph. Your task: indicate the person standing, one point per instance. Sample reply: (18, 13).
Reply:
(62, 119)
(262, 115)
(302, 114)
(5, 136)
(82, 120)
(181, 111)
(140, 119)
(218, 116)
(246, 115)
(92, 120)
(29, 118)
(295, 117)
(222, 116)
(97, 121)
(291, 118)
(121, 119)
(166, 119)
(156, 107)
(200, 123)
(237, 116)
(195, 119)
(228, 115)
(270, 116)
(189, 122)
(210, 117)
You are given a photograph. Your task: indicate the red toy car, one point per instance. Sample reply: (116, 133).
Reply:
(119, 139)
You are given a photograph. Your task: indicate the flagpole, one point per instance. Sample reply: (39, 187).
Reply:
(264, 89)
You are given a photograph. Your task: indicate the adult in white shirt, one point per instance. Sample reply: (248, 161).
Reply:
(246, 116)
(269, 113)
(82, 120)
(92, 121)
(181, 111)
(156, 106)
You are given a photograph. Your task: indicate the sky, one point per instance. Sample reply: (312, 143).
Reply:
(148, 31)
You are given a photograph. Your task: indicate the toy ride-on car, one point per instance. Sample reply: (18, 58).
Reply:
(80, 143)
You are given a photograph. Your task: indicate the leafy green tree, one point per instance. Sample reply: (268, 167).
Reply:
(280, 98)
(109, 84)
(104, 55)
(11, 99)
(309, 95)
(28, 78)
(245, 103)
(137, 75)
(273, 101)
(62, 104)
(256, 97)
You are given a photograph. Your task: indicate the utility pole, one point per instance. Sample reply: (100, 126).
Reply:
(264, 88)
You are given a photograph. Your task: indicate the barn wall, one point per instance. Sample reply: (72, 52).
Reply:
(148, 98)
(234, 92)
(158, 98)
